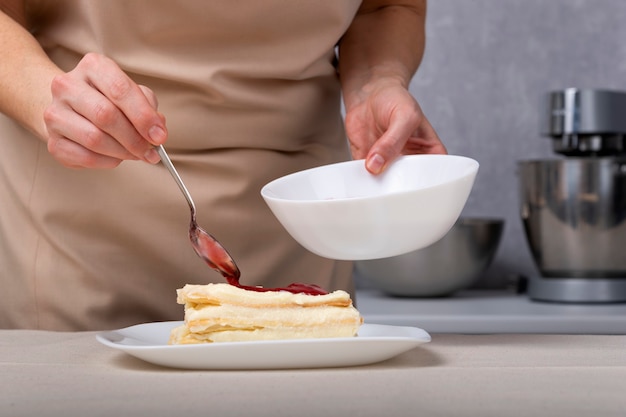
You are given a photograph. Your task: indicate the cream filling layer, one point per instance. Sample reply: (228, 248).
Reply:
(224, 313)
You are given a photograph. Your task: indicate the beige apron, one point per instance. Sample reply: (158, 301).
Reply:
(250, 93)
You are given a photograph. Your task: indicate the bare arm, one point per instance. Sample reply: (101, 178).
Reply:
(26, 72)
(93, 116)
(386, 39)
(378, 56)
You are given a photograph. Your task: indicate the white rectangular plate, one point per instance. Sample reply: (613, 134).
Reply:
(374, 343)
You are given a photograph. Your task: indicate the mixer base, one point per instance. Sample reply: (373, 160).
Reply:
(577, 290)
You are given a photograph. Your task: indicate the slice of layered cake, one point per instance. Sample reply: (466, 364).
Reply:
(226, 313)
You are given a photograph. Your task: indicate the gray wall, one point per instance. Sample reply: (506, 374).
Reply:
(487, 64)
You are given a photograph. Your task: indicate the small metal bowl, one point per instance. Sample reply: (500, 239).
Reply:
(449, 265)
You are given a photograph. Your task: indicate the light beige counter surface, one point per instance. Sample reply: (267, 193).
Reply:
(71, 374)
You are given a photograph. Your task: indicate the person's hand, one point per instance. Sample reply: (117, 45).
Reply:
(386, 122)
(99, 117)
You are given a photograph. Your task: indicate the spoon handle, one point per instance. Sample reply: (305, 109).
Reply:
(165, 159)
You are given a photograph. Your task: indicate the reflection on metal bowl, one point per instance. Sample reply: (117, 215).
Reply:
(574, 213)
(451, 264)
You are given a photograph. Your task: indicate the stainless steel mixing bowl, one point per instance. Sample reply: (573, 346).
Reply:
(451, 264)
(574, 213)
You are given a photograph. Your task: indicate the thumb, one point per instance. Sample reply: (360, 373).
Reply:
(389, 146)
(152, 99)
(150, 96)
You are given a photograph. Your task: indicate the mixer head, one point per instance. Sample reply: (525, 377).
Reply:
(586, 122)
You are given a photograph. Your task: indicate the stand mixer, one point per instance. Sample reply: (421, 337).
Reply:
(573, 207)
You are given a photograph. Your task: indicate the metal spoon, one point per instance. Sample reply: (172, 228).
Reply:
(205, 245)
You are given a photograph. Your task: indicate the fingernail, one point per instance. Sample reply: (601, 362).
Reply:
(152, 156)
(375, 164)
(157, 135)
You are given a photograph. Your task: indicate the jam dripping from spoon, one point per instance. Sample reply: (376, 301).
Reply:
(218, 258)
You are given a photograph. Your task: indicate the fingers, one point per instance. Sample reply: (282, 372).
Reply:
(387, 124)
(425, 140)
(100, 117)
(150, 96)
(127, 98)
(389, 146)
(400, 139)
(65, 124)
(71, 151)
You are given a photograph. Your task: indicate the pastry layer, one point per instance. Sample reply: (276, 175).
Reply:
(222, 312)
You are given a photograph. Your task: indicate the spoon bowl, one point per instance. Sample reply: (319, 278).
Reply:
(213, 253)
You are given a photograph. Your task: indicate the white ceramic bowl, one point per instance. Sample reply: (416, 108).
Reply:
(341, 211)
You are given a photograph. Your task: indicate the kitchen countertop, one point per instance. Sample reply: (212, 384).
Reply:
(71, 374)
(478, 312)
